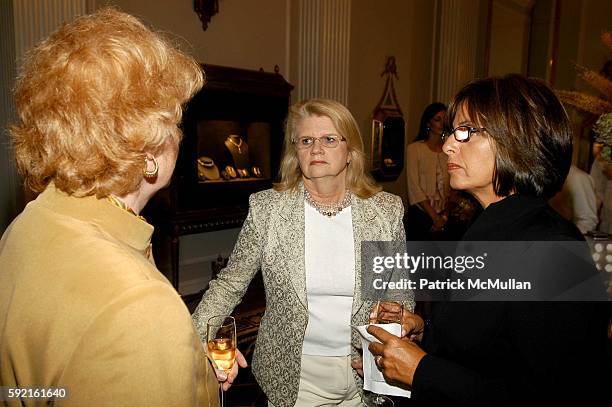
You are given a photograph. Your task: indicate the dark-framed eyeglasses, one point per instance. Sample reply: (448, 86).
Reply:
(330, 141)
(462, 133)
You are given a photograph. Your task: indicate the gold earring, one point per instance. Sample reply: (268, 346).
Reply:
(150, 174)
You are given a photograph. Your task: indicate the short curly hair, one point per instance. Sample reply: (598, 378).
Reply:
(93, 98)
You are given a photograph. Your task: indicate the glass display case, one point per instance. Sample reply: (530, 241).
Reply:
(233, 132)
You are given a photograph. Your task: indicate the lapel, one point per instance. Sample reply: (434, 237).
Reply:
(363, 215)
(291, 239)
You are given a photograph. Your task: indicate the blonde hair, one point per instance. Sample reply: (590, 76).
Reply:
(358, 181)
(93, 98)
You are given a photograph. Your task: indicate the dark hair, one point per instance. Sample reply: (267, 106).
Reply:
(530, 127)
(428, 114)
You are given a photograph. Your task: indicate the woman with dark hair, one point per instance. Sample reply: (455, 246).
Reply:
(427, 177)
(510, 147)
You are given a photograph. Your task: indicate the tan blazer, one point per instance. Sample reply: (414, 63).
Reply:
(83, 308)
(272, 238)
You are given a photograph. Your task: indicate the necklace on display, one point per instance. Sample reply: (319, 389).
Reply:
(238, 144)
(328, 209)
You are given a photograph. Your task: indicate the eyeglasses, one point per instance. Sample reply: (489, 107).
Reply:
(303, 143)
(462, 133)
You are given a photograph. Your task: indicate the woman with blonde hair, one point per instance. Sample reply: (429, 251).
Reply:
(305, 234)
(83, 306)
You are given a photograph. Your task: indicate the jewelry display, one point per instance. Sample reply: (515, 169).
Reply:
(243, 173)
(230, 171)
(232, 140)
(256, 171)
(239, 151)
(207, 170)
(328, 209)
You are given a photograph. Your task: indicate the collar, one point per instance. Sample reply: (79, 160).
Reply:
(115, 221)
(500, 216)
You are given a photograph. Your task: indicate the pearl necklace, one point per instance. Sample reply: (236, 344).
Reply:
(328, 209)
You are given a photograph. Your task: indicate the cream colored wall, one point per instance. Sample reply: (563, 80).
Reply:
(245, 34)
(380, 29)
(509, 36)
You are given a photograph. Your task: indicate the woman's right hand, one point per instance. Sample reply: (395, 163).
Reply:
(413, 326)
(226, 380)
(438, 222)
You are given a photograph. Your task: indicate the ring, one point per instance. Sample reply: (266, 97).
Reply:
(377, 360)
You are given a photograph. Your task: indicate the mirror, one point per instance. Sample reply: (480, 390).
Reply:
(388, 131)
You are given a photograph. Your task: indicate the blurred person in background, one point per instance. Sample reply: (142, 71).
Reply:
(428, 187)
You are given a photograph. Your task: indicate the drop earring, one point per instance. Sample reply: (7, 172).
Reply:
(150, 174)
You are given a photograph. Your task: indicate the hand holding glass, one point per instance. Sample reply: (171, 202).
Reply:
(387, 312)
(221, 343)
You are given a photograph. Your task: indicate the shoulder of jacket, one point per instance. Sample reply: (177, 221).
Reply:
(267, 196)
(386, 200)
(263, 203)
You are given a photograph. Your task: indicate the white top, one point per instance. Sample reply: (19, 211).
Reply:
(576, 201)
(330, 282)
(427, 175)
(603, 189)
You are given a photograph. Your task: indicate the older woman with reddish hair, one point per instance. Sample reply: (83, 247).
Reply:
(83, 306)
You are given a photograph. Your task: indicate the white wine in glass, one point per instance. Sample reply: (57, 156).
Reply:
(221, 344)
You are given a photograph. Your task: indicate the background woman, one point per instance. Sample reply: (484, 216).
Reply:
(305, 235)
(428, 186)
(511, 148)
(82, 305)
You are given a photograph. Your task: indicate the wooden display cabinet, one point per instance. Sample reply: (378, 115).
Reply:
(251, 106)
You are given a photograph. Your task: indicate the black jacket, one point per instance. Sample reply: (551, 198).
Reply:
(513, 353)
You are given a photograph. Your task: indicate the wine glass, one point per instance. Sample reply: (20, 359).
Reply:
(221, 344)
(376, 400)
(389, 312)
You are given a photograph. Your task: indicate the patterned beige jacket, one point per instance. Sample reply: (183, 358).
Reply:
(272, 239)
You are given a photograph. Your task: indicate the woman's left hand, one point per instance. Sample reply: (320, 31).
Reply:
(397, 358)
(358, 366)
